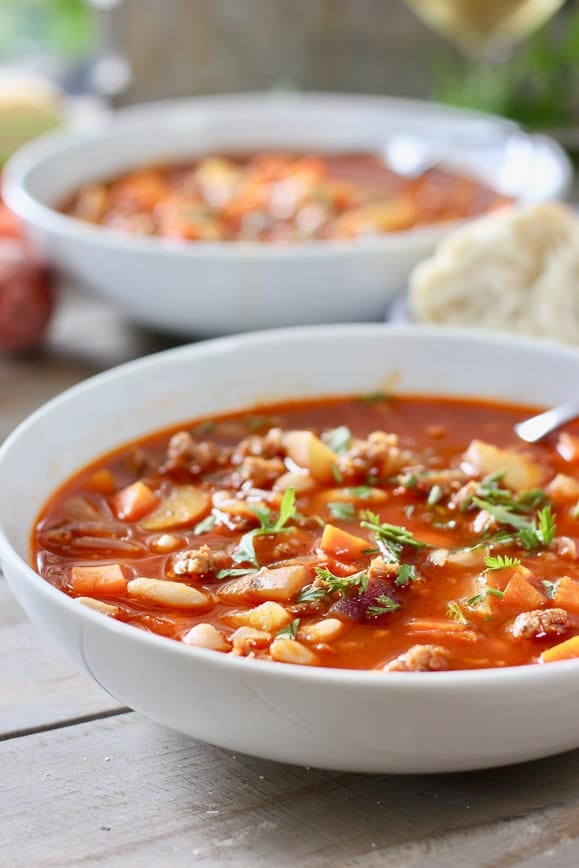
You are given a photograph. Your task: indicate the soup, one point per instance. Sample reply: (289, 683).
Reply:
(279, 197)
(392, 534)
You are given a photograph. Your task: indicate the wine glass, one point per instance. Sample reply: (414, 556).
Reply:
(485, 30)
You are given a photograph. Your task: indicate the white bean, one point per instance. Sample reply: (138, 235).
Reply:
(98, 605)
(174, 595)
(206, 636)
(269, 616)
(291, 651)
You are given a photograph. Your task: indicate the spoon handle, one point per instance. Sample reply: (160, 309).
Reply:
(533, 429)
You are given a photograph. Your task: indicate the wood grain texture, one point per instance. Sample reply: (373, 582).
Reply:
(38, 687)
(125, 792)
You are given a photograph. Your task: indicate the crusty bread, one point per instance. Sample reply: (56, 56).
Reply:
(514, 270)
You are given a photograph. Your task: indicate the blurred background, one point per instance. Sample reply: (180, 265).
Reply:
(497, 56)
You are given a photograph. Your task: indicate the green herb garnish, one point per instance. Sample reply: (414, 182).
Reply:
(339, 439)
(406, 573)
(245, 551)
(434, 495)
(455, 612)
(289, 632)
(381, 606)
(234, 572)
(550, 588)
(480, 598)
(342, 511)
(309, 594)
(501, 562)
(342, 584)
(204, 526)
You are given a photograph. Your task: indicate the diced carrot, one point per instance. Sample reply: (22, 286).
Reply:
(103, 580)
(102, 481)
(341, 544)
(134, 501)
(567, 594)
(521, 594)
(566, 650)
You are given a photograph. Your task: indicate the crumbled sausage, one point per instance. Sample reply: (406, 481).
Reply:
(420, 658)
(260, 472)
(539, 623)
(378, 569)
(268, 446)
(186, 456)
(379, 455)
(199, 562)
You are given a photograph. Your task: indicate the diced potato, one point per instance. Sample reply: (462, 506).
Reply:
(206, 636)
(248, 639)
(291, 651)
(310, 452)
(185, 504)
(520, 593)
(343, 545)
(98, 605)
(280, 584)
(472, 557)
(225, 501)
(267, 616)
(520, 472)
(323, 631)
(102, 580)
(302, 483)
(563, 489)
(567, 594)
(134, 502)
(173, 595)
(567, 650)
(568, 447)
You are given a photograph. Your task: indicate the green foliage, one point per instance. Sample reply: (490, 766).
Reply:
(538, 86)
(60, 27)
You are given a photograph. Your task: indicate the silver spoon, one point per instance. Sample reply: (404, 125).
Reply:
(534, 429)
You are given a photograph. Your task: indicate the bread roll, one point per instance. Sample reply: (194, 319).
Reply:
(515, 270)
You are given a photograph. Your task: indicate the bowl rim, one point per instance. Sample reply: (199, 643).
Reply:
(489, 679)
(31, 157)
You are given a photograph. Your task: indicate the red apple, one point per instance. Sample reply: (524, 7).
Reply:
(26, 297)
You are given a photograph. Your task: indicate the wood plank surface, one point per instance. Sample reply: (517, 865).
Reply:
(125, 792)
(38, 687)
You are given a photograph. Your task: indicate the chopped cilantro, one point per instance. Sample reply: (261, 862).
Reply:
(336, 473)
(310, 594)
(342, 511)
(381, 606)
(455, 612)
(339, 439)
(234, 572)
(480, 598)
(204, 526)
(361, 492)
(434, 495)
(342, 584)
(501, 562)
(406, 573)
(289, 632)
(550, 588)
(245, 551)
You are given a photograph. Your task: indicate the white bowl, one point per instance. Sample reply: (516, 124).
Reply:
(203, 288)
(356, 721)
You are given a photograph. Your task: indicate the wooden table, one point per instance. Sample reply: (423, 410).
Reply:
(86, 782)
